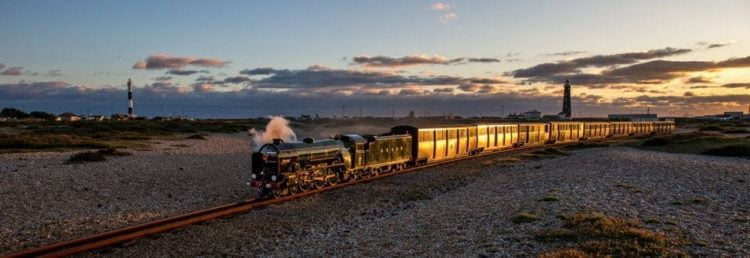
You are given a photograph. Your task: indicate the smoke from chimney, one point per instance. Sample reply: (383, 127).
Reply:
(277, 128)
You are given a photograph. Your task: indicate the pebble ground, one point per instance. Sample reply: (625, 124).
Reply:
(462, 209)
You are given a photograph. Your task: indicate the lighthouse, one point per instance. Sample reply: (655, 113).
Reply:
(131, 111)
(566, 110)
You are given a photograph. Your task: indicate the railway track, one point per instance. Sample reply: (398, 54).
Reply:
(130, 233)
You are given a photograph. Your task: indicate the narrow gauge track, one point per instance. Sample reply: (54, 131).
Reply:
(130, 233)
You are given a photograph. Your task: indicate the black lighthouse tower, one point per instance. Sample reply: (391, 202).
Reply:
(566, 110)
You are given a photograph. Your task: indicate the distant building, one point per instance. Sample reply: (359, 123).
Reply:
(532, 115)
(634, 117)
(305, 117)
(68, 117)
(93, 118)
(119, 116)
(736, 115)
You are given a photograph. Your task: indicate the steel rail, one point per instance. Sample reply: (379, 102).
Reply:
(130, 233)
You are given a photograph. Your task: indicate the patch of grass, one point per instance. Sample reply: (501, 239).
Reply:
(113, 152)
(735, 131)
(586, 145)
(19, 136)
(524, 217)
(696, 200)
(652, 221)
(414, 195)
(86, 156)
(550, 198)
(543, 154)
(711, 128)
(565, 253)
(697, 143)
(737, 150)
(596, 234)
(196, 137)
(56, 141)
(630, 188)
(656, 141)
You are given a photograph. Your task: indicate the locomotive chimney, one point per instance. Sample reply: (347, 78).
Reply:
(277, 141)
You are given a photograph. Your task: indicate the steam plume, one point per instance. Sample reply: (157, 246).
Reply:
(277, 128)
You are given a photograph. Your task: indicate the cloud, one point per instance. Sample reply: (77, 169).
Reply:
(448, 17)
(163, 78)
(54, 73)
(484, 60)
(182, 72)
(649, 72)
(12, 71)
(237, 79)
(444, 90)
(258, 71)
(208, 101)
(566, 53)
(205, 79)
(441, 6)
(204, 87)
(165, 61)
(384, 61)
(745, 85)
(313, 77)
(698, 79)
(575, 65)
(708, 45)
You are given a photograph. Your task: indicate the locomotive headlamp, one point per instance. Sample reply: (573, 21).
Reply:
(273, 178)
(253, 176)
(268, 186)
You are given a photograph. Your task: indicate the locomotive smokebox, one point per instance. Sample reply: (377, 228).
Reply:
(277, 141)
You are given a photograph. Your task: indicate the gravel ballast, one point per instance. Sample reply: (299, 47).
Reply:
(466, 209)
(45, 199)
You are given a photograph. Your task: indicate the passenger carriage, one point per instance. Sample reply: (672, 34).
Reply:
(531, 134)
(595, 130)
(497, 136)
(620, 129)
(441, 143)
(562, 132)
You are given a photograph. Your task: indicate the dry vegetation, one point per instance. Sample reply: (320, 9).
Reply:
(698, 143)
(593, 234)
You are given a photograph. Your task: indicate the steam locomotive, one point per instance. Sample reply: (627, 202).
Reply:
(285, 168)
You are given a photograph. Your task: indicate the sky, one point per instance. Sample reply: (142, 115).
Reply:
(235, 59)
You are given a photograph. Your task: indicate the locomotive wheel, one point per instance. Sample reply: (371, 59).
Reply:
(279, 192)
(293, 190)
(304, 181)
(319, 178)
(332, 177)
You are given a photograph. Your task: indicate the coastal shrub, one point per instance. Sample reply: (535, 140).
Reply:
(736, 150)
(50, 141)
(196, 137)
(736, 131)
(86, 156)
(599, 235)
(711, 128)
(586, 145)
(524, 217)
(657, 141)
(550, 198)
(112, 152)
